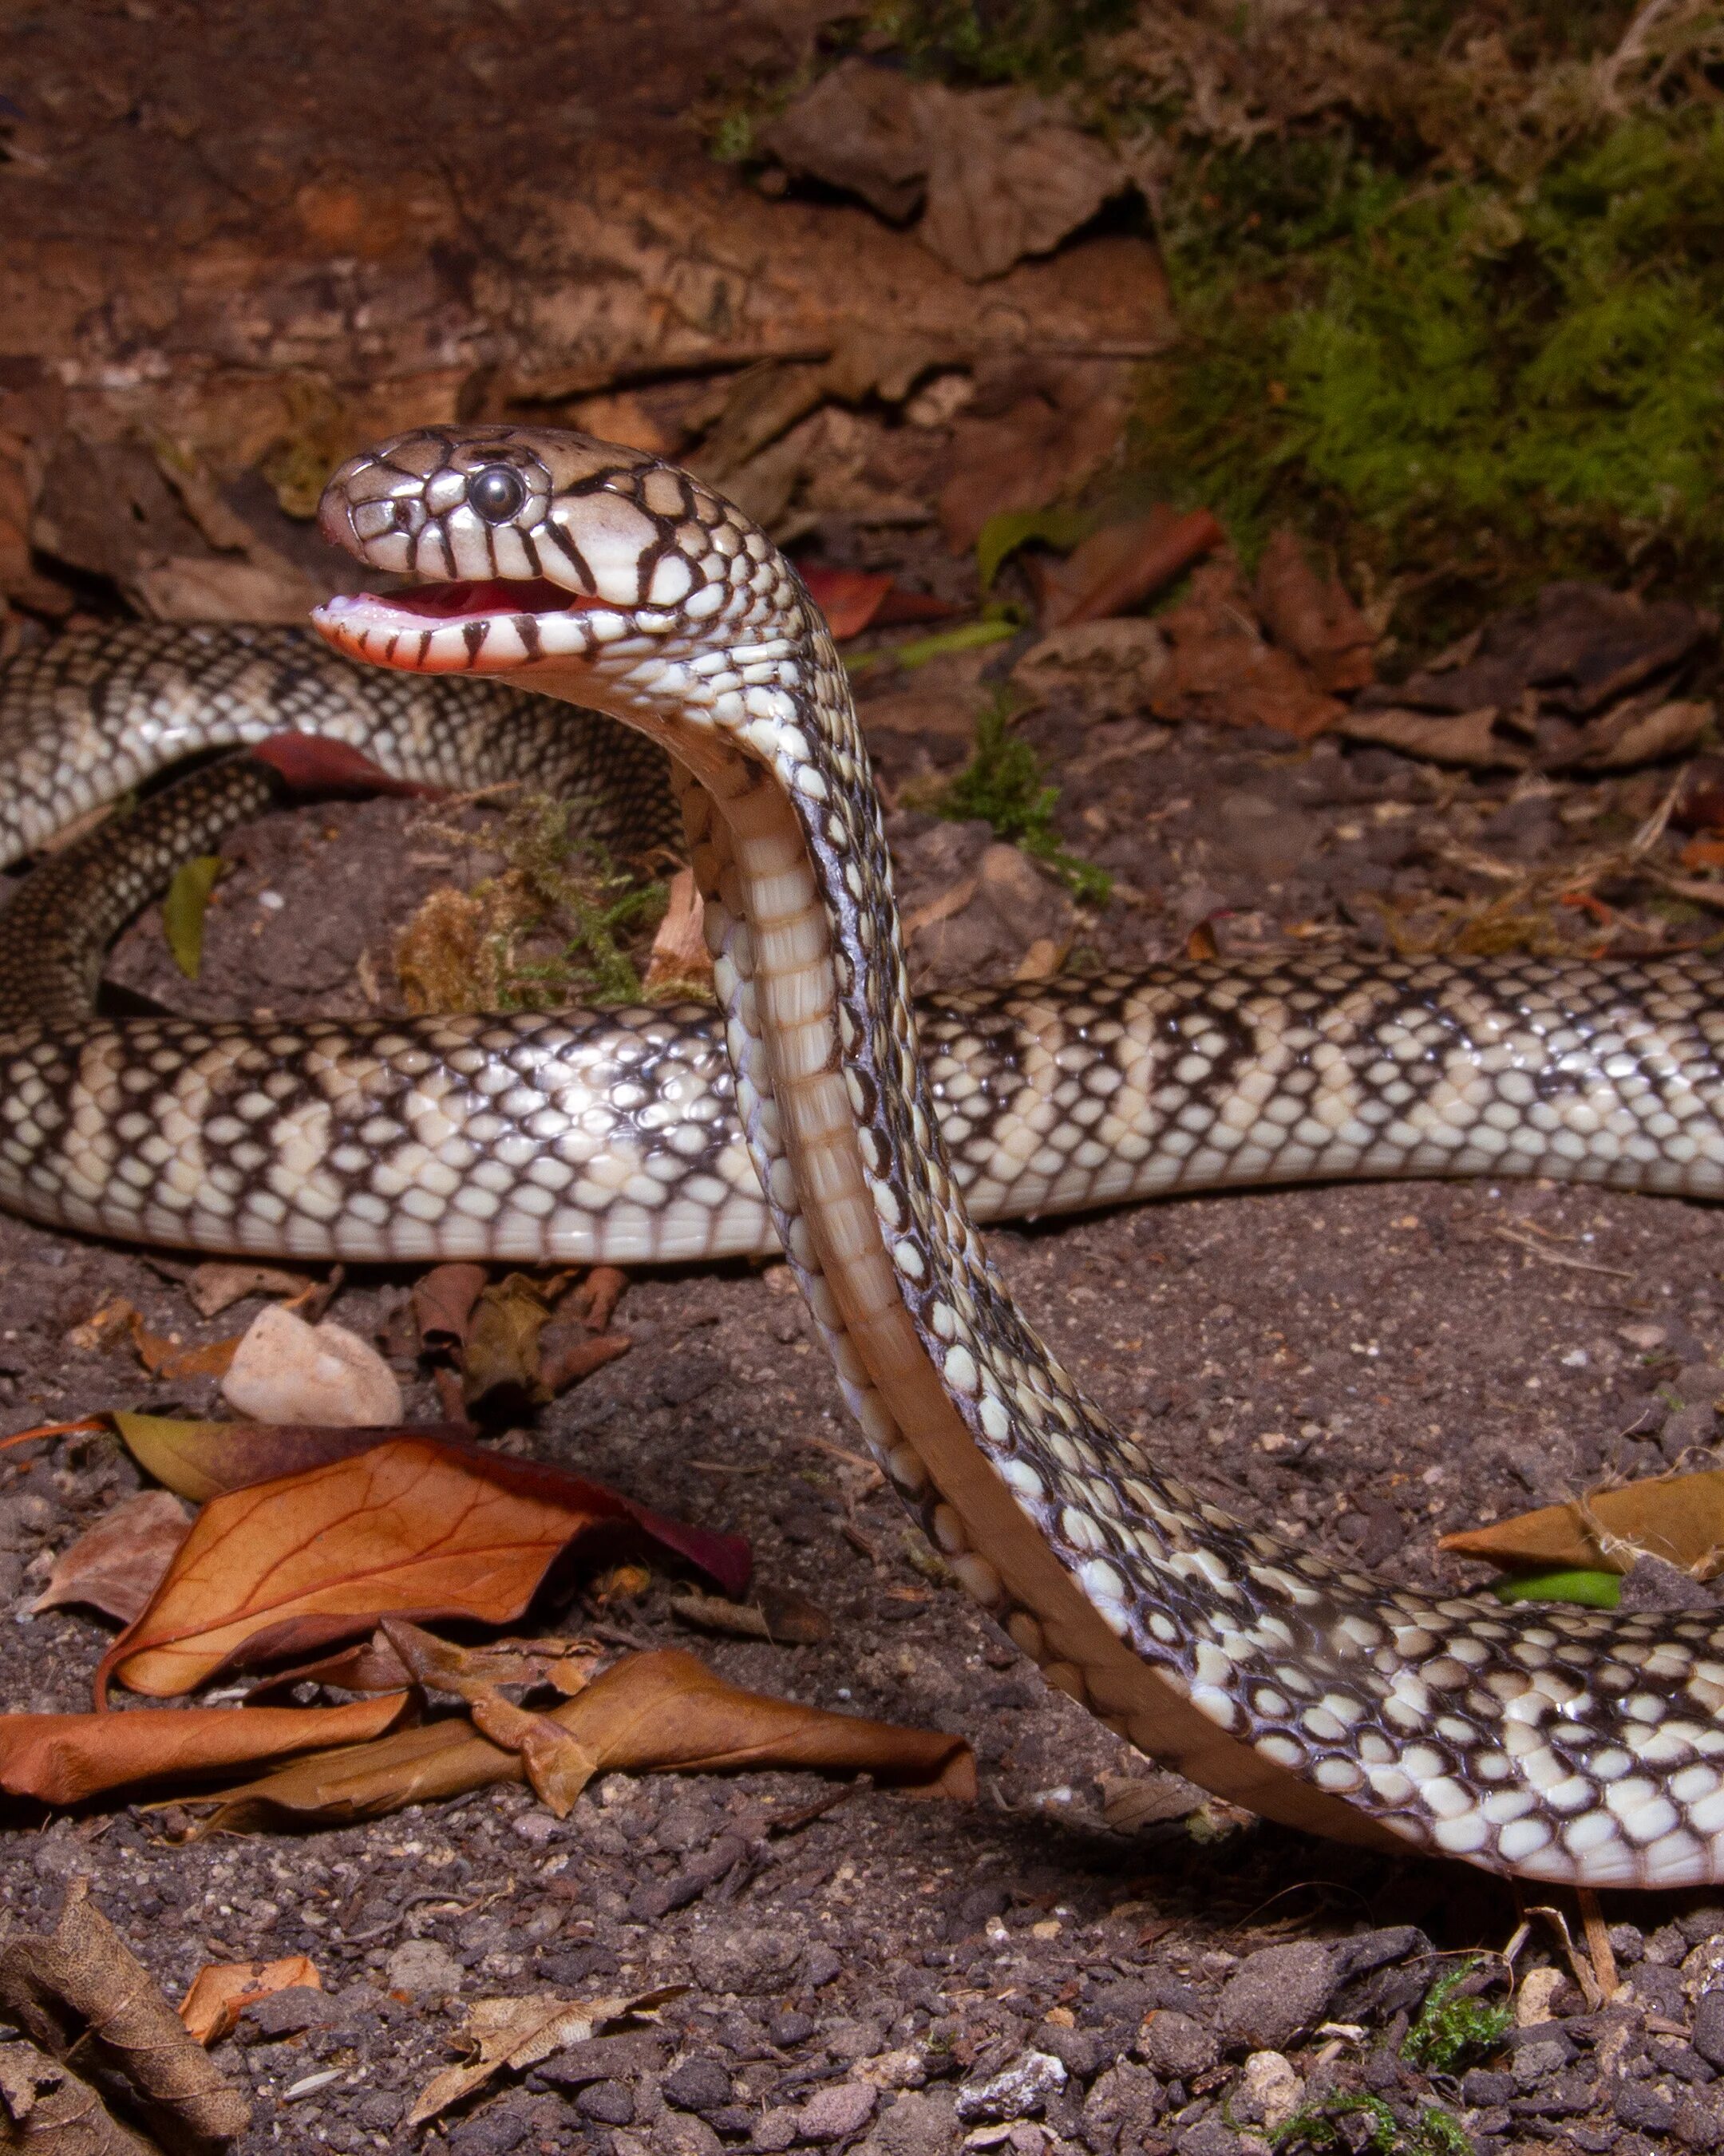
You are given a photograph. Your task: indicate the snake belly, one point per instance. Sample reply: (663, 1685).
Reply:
(1559, 1744)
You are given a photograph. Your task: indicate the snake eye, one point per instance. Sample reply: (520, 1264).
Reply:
(496, 493)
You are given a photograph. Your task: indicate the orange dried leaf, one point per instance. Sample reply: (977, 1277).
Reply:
(222, 1990)
(661, 1712)
(1679, 1518)
(667, 1711)
(170, 1358)
(202, 1460)
(62, 1758)
(294, 1565)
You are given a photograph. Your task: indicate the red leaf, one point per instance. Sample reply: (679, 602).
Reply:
(311, 763)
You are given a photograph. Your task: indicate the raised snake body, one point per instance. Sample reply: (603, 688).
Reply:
(1559, 1744)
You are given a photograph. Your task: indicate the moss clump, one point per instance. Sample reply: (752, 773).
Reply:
(553, 926)
(1432, 2132)
(1005, 786)
(1040, 42)
(1472, 384)
(1453, 2023)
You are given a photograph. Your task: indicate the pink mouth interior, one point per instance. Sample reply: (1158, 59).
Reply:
(470, 602)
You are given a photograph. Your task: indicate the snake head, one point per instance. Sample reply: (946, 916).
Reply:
(529, 549)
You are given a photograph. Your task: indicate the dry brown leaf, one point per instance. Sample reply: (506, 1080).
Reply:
(1105, 667)
(557, 1765)
(1120, 566)
(62, 1758)
(1007, 177)
(222, 1990)
(1060, 425)
(117, 1319)
(859, 127)
(284, 1370)
(501, 1351)
(82, 1989)
(663, 1711)
(46, 2111)
(409, 1527)
(679, 951)
(517, 2033)
(443, 1301)
(1221, 670)
(779, 1615)
(598, 1295)
(1645, 731)
(201, 1459)
(1468, 739)
(374, 1665)
(213, 1287)
(1312, 616)
(1677, 1517)
(117, 1565)
(168, 1357)
(1132, 1802)
(566, 1354)
(205, 1459)
(291, 1566)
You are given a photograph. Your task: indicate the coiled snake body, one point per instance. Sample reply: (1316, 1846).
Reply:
(1559, 1744)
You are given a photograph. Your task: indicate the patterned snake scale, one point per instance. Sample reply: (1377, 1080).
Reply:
(1558, 1744)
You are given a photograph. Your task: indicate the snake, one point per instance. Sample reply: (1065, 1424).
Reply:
(1557, 1743)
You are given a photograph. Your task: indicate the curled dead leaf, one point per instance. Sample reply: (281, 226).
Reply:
(663, 1711)
(1466, 739)
(221, 1992)
(517, 2033)
(215, 1287)
(45, 2110)
(443, 1301)
(1119, 566)
(64, 1758)
(1677, 1517)
(117, 1565)
(81, 1988)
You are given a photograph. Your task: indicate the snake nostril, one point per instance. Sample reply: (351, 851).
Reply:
(496, 493)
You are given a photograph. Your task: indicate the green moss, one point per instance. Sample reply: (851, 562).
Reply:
(1452, 2026)
(1432, 2132)
(1003, 785)
(1040, 42)
(1462, 382)
(554, 926)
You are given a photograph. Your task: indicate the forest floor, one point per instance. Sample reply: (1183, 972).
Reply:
(1365, 1367)
(222, 277)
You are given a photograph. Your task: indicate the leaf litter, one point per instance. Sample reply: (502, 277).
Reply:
(221, 1992)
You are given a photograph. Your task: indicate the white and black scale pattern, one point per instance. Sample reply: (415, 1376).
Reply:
(1562, 1744)
(1074, 1093)
(95, 712)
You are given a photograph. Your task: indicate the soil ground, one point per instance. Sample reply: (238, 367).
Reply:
(1366, 1367)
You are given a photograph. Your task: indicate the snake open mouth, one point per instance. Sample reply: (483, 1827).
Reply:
(482, 626)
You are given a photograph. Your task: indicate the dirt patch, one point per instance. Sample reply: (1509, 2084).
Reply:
(1363, 1367)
